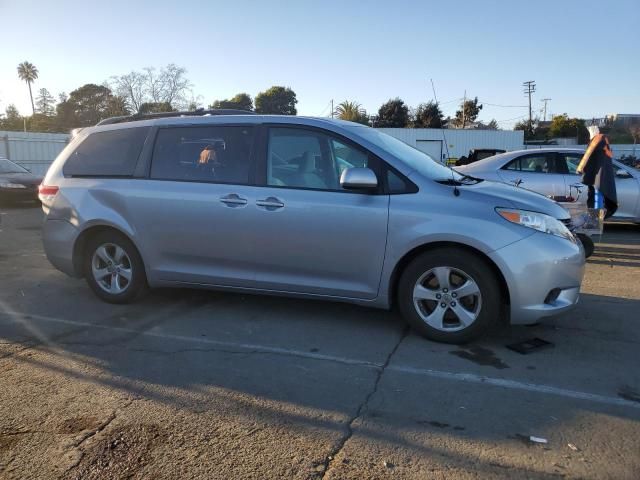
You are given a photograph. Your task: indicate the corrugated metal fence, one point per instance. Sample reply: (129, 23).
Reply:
(34, 151)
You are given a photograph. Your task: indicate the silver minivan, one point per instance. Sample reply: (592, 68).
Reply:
(308, 207)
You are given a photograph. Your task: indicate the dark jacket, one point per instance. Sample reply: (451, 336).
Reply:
(597, 171)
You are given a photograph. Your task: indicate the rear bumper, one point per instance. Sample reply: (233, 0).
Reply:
(18, 194)
(543, 275)
(58, 238)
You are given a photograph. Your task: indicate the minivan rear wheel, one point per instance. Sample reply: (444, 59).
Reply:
(449, 295)
(113, 268)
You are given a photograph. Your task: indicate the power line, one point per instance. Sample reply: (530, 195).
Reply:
(511, 119)
(503, 106)
(325, 108)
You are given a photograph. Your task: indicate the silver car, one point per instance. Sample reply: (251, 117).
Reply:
(306, 207)
(552, 172)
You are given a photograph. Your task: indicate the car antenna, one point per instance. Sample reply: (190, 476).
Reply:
(456, 191)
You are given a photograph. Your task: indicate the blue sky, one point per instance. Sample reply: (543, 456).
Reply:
(364, 51)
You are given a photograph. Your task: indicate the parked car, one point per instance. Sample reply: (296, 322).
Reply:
(314, 208)
(552, 172)
(17, 183)
(476, 154)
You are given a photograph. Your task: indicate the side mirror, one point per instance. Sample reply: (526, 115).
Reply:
(358, 179)
(621, 173)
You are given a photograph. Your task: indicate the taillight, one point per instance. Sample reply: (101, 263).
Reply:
(46, 193)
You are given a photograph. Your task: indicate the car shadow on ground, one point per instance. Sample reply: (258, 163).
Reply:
(144, 358)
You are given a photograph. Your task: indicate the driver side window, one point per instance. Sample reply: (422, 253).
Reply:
(301, 158)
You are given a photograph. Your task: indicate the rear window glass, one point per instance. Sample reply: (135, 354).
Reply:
(112, 153)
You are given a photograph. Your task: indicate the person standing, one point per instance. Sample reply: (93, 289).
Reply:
(596, 168)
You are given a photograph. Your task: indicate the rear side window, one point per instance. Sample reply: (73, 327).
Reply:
(103, 154)
(203, 154)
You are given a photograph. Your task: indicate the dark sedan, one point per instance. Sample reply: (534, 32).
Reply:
(17, 183)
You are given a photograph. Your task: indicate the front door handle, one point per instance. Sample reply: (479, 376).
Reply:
(270, 203)
(233, 200)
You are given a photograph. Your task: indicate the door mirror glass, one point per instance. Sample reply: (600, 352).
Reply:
(621, 173)
(358, 179)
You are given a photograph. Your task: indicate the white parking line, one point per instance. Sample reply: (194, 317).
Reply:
(444, 375)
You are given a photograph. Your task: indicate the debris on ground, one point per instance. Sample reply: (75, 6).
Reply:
(528, 346)
(537, 439)
(573, 447)
(119, 455)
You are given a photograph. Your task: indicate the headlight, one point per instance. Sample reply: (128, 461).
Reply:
(537, 221)
(11, 185)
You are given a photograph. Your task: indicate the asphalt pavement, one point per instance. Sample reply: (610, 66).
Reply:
(200, 384)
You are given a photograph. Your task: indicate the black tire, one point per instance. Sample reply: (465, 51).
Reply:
(587, 244)
(138, 282)
(487, 308)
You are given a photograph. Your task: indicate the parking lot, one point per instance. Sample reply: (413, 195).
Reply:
(187, 384)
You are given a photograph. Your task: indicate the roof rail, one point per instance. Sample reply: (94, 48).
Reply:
(187, 113)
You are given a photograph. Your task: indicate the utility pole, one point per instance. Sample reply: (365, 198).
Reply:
(464, 104)
(545, 100)
(529, 88)
(332, 108)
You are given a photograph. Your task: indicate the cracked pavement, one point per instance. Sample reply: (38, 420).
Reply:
(196, 384)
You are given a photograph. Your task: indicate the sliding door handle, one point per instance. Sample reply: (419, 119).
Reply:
(270, 203)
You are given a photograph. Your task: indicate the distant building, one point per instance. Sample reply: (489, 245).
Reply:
(623, 118)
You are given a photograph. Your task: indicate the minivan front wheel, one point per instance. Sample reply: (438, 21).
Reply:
(449, 295)
(113, 268)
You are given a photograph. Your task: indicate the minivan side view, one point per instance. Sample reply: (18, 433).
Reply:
(307, 207)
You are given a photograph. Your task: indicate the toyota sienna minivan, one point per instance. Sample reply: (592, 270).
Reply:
(307, 207)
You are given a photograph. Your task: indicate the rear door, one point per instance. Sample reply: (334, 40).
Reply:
(191, 214)
(311, 236)
(537, 172)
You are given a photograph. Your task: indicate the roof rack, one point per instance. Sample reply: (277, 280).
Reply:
(187, 113)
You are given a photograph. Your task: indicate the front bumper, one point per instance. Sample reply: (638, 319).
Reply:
(59, 238)
(543, 274)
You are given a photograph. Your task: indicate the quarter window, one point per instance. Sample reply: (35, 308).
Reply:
(108, 153)
(203, 154)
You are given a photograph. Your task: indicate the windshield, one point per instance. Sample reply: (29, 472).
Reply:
(412, 157)
(7, 166)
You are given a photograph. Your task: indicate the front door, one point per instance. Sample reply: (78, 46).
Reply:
(311, 236)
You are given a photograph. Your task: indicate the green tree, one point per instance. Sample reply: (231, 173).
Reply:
(351, 112)
(241, 101)
(471, 109)
(87, 105)
(564, 127)
(45, 103)
(28, 73)
(12, 121)
(277, 100)
(393, 114)
(428, 115)
(155, 107)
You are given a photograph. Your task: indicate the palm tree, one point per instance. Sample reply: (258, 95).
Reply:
(28, 72)
(351, 111)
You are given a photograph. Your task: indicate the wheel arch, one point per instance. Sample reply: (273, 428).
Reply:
(420, 249)
(81, 242)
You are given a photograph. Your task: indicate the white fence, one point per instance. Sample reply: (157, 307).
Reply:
(34, 151)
